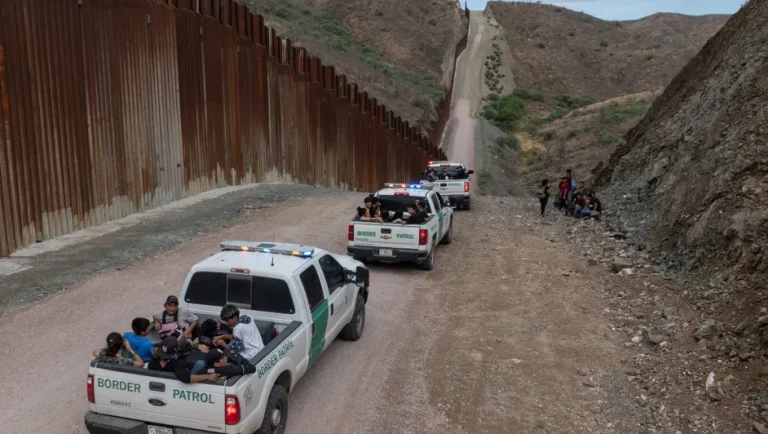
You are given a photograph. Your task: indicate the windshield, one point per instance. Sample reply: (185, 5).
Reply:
(400, 203)
(452, 171)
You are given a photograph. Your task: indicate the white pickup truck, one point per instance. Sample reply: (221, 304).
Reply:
(300, 297)
(398, 242)
(457, 188)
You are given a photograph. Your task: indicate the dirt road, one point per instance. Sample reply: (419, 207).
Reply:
(468, 91)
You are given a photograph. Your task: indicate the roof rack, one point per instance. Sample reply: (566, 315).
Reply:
(272, 248)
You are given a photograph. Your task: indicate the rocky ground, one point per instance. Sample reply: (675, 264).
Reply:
(693, 370)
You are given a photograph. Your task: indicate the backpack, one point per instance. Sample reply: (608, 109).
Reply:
(540, 193)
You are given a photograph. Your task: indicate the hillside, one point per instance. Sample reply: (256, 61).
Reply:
(698, 161)
(399, 52)
(580, 140)
(559, 51)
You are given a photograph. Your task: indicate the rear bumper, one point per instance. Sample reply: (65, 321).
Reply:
(459, 199)
(103, 424)
(398, 255)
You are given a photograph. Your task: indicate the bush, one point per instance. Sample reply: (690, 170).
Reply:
(574, 102)
(528, 95)
(282, 13)
(510, 142)
(603, 43)
(548, 135)
(505, 112)
(542, 45)
(432, 21)
(571, 134)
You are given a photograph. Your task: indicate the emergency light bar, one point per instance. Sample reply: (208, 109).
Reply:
(275, 249)
(417, 186)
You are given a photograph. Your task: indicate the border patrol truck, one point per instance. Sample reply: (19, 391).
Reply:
(301, 298)
(457, 191)
(397, 242)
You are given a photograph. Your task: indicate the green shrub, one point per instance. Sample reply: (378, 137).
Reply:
(505, 112)
(548, 135)
(282, 13)
(432, 21)
(528, 95)
(603, 43)
(510, 142)
(542, 45)
(574, 102)
(571, 134)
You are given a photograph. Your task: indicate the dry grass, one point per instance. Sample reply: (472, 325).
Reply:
(396, 51)
(559, 51)
(581, 140)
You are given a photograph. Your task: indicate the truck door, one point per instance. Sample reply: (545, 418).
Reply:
(317, 300)
(437, 206)
(339, 295)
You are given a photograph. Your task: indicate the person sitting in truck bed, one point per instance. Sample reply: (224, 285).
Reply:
(168, 359)
(415, 217)
(444, 174)
(430, 174)
(185, 320)
(115, 352)
(245, 340)
(216, 362)
(138, 338)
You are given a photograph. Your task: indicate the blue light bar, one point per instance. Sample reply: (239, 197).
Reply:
(301, 251)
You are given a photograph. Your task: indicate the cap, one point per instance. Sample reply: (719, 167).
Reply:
(213, 356)
(172, 299)
(168, 348)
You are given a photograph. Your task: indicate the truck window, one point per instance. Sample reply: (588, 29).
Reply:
(399, 203)
(208, 288)
(255, 292)
(435, 199)
(333, 272)
(310, 280)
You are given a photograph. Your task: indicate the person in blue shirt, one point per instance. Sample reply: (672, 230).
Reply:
(138, 338)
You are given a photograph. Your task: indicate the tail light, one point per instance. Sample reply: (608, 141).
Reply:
(422, 237)
(91, 392)
(351, 233)
(466, 187)
(231, 410)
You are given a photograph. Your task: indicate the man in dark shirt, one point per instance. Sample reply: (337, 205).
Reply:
(167, 358)
(417, 215)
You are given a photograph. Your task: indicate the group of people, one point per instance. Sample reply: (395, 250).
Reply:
(193, 352)
(576, 203)
(372, 211)
(431, 174)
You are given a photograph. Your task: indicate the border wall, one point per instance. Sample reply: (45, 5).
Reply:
(112, 107)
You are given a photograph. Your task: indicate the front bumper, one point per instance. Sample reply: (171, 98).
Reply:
(398, 255)
(104, 424)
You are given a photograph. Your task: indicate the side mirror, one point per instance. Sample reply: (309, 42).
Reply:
(470, 172)
(361, 276)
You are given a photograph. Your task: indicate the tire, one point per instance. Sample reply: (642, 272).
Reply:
(467, 205)
(429, 263)
(354, 330)
(277, 401)
(363, 260)
(448, 238)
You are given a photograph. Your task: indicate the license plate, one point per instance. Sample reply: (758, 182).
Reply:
(159, 430)
(443, 188)
(385, 252)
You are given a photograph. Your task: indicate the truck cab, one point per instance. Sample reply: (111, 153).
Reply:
(301, 299)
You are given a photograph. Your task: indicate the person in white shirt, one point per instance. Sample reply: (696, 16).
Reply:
(245, 338)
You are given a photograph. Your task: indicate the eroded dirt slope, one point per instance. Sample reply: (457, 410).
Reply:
(559, 51)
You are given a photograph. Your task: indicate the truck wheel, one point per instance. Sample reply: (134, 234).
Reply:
(429, 263)
(353, 330)
(276, 413)
(448, 235)
(363, 260)
(467, 205)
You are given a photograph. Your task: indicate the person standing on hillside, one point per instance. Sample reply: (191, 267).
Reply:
(543, 195)
(571, 187)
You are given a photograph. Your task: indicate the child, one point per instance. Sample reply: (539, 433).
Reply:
(245, 339)
(184, 320)
(138, 338)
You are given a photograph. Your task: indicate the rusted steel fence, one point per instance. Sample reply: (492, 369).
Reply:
(110, 107)
(444, 108)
